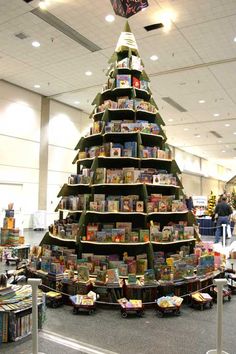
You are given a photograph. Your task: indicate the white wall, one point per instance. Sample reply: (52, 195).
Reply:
(19, 145)
(20, 114)
(66, 127)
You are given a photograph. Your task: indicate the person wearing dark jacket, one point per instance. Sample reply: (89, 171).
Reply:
(223, 211)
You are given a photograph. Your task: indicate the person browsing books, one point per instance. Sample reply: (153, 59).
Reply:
(223, 211)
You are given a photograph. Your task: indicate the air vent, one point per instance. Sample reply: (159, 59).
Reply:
(21, 35)
(215, 134)
(65, 29)
(174, 104)
(153, 27)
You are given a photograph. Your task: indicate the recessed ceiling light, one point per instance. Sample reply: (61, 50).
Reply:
(88, 73)
(201, 101)
(77, 102)
(170, 120)
(197, 135)
(234, 133)
(35, 44)
(219, 141)
(36, 86)
(216, 114)
(186, 129)
(154, 57)
(110, 18)
(43, 4)
(234, 39)
(227, 125)
(223, 151)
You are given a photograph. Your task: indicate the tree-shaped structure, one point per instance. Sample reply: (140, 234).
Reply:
(125, 202)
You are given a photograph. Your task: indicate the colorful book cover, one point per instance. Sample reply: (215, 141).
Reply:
(100, 175)
(144, 85)
(149, 277)
(136, 82)
(113, 205)
(83, 274)
(114, 176)
(128, 174)
(113, 276)
(132, 279)
(118, 235)
(115, 152)
(140, 206)
(123, 81)
(144, 235)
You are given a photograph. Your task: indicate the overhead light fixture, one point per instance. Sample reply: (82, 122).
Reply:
(197, 135)
(219, 141)
(110, 18)
(227, 125)
(166, 19)
(43, 4)
(234, 39)
(201, 101)
(36, 86)
(223, 151)
(154, 57)
(170, 120)
(186, 129)
(88, 73)
(77, 102)
(216, 114)
(35, 44)
(234, 133)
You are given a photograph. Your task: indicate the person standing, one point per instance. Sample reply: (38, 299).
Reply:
(223, 211)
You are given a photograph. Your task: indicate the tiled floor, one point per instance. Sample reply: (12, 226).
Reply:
(194, 332)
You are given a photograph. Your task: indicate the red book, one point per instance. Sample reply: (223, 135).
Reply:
(136, 82)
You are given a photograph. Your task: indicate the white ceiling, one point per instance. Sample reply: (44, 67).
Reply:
(197, 61)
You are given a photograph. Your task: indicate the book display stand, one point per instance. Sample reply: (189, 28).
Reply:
(125, 204)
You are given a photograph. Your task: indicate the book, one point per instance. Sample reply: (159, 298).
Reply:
(139, 206)
(118, 235)
(128, 174)
(101, 277)
(83, 274)
(123, 81)
(132, 278)
(115, 152)
(114, 176)
(113, 276)
(136, 82)
(144, 235)
(91, 231)
(144, 85)
(123, 63)
(113, 205)
(100, 175)
(136, 63)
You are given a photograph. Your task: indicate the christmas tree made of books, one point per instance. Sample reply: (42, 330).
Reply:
(124, 204)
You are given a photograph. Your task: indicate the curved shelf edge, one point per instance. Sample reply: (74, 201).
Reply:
(115, 243)
(173, 242)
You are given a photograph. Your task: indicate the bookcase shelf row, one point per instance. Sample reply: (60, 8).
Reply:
(101, 138)
(137, 243)
(131, 91)
(122, 213)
